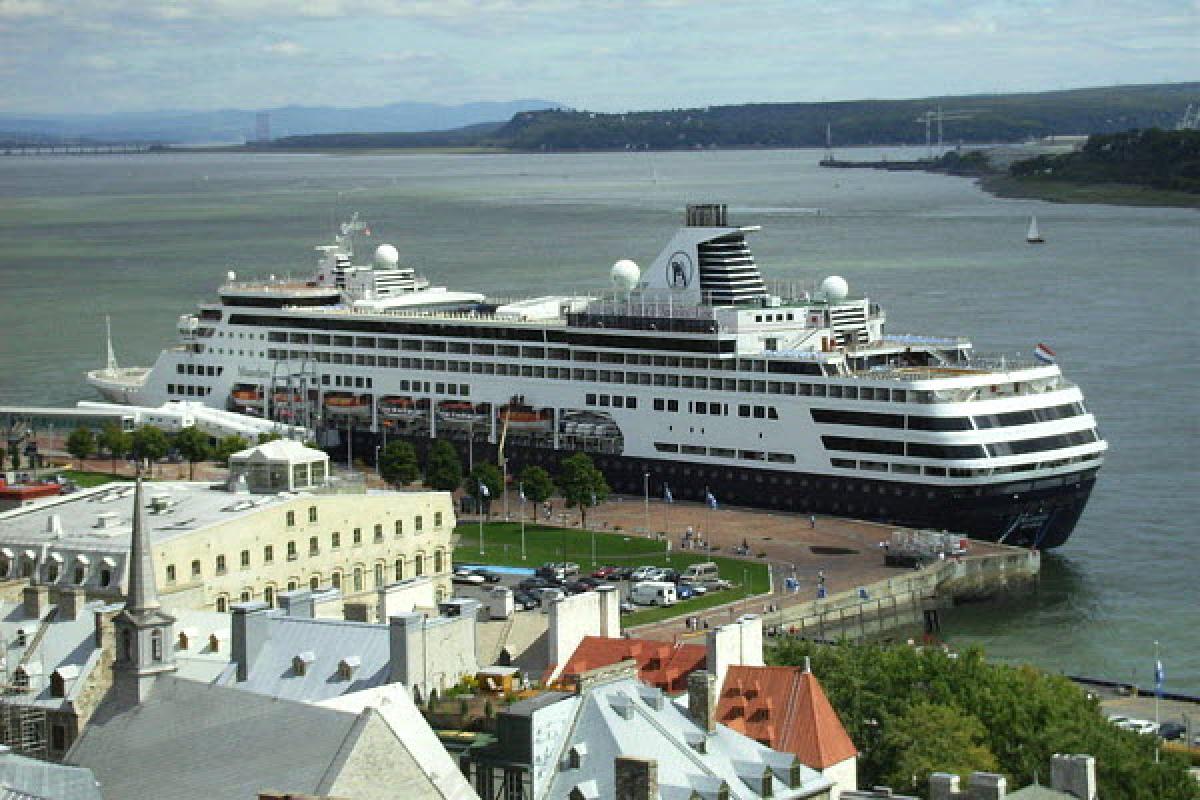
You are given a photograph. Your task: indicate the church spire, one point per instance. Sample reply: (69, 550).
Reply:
(141, 592)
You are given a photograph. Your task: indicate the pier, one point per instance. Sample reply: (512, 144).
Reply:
(99, 149)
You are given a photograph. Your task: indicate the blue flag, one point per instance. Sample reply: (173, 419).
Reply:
(667, 494)
(708, 498)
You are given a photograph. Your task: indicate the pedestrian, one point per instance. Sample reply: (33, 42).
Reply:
(812, 520)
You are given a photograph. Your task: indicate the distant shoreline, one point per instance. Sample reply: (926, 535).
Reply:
(1113, 194)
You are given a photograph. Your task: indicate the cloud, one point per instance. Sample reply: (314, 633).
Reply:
(285, 48)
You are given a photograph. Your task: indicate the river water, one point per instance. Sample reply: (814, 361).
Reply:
(1113, 291)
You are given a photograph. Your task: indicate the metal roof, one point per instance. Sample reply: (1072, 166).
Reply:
(22, 777)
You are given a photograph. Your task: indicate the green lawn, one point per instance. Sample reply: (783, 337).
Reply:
(502, 547)
(88, 479)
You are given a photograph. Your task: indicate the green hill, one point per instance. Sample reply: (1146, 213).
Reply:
(1164, 160)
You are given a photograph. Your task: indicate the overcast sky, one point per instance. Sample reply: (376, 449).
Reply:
(605, 55)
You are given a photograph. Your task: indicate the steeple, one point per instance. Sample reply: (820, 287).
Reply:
(141, 592)
(144, 635)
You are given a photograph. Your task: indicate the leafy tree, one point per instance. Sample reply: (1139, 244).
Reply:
(228, 446)
(537, 485)
(149, 442)
(581, 484)
(443, 470)
(488, 475)
(934, 738)
(192, 443)
(81, 443)
(1026, 714)
(263, 438)
(116, 441)
(398, 463)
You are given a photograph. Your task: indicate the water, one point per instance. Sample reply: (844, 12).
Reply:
(144, 237)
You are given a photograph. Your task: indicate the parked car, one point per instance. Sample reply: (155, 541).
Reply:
(604, 572)
(703, 572)
(685, 591)
(569, 568)
(535, 583)
(628, 607)
(623, 573)
(525, 601)
(1172, 731)
(469, 578)
(668, 574)
(592, 582)
(487, 575)
(654, 593)
(1139, 725)
(641, 573)
(577, 587)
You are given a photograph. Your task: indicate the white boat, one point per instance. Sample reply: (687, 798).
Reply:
(694, 371)
(1032, 236)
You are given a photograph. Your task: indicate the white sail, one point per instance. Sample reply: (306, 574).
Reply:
(1033, 235)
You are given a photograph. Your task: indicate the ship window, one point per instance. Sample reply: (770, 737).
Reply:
(660, 404)
(743, 411)
(665, 447)
(672, 405)
(760, 412)
(940, 424)
(631, 402)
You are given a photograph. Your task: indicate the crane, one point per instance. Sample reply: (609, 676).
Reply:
(940, 115)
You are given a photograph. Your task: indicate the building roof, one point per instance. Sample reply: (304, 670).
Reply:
(189, 741)
(625, 717)
(785, 708)
(141, 593)
(329, 642)
(280, 450)
(662, 664)
(22, 777)
(1037, 792)
(51, 643)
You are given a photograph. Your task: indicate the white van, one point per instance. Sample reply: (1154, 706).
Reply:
(653, 593)
(704, 572)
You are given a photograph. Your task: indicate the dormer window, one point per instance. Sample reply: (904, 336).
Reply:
(20, 678)
(348, 666)
(214, 644)
(576, 756)
(58, 685)
(183, 640)
(302, 661)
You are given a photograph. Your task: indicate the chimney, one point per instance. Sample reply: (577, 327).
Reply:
(249, 634)
(1074, 774)
(36, 600)
(750, 629)
(610, 611)
(70, 602)
(297, 603)
(404, 639)
(636, 778)
(943, 786)
(987, 786)
(702, 699)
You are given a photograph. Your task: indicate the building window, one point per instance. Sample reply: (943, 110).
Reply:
(58, 685)
(399, 569)
(378, 534)
(170, 573)
(196, 568)
(437, 562)
(314, 547)
(335, 580)
(419, 569)
(358, 579)
(245, 558)
(268, 554)
(399, 527)
(80, 575)
(357, 536)
(247, 595)
(291, 519)
(418, 524)
(156, 645)
(105, 577)
(291, 551)
(222, 604)
(52, 573)
(437, 519)
(312, 513)
(379, 574)
(221, 565)
(58, 737)
(314, 582)
(127, 644)
(292, 585)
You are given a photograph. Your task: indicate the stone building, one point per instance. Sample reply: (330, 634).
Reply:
(215, 547)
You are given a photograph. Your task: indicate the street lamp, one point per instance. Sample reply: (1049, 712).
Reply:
(378, 471)
(646, 499)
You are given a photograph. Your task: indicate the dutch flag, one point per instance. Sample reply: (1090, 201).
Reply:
(1044, 354)
(1160, 676)
(667, 494)
(708, 498)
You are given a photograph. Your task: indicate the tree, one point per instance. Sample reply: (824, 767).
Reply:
(488, 475)
(228, 446)
(398, 463)
(81, 443)
(263, 438)
(193, 445)
(537, 485)
(149, 442)
(929, 737)
(443, 470)
(581, 484)
(116, 441)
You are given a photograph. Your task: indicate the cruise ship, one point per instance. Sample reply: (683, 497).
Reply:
(694, 374)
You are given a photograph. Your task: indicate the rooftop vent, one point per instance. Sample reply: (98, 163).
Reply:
(303, 661)
(348, 666)
(652, 697)
(622, 704)
(107, 520)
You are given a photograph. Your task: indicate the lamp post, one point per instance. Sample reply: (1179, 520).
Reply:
(522, 490)
(646, 500)
(378, 471)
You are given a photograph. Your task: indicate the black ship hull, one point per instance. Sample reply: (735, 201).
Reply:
(1038, 513)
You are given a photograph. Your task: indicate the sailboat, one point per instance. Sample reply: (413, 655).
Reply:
(1033, 237)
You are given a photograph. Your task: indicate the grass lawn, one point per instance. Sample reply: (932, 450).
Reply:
(88, 479)
(502, 547)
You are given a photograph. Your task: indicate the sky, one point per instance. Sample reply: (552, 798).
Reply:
(602, 55)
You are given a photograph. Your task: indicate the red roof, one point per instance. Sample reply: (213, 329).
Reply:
(786, 709)
(662, 664)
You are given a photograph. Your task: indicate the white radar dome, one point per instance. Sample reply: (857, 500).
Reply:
(626, 274)
(386, 256)
(835, 288)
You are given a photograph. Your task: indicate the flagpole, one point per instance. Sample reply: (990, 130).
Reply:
(521, 489)
(1158, 682)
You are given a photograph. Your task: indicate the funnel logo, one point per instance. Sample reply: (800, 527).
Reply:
(679, 270)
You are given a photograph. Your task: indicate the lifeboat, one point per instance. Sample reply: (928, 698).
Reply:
(396, 407)
(282, 398)
(460, 412)
(247, 396)
(526, 418)
(348, 404)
